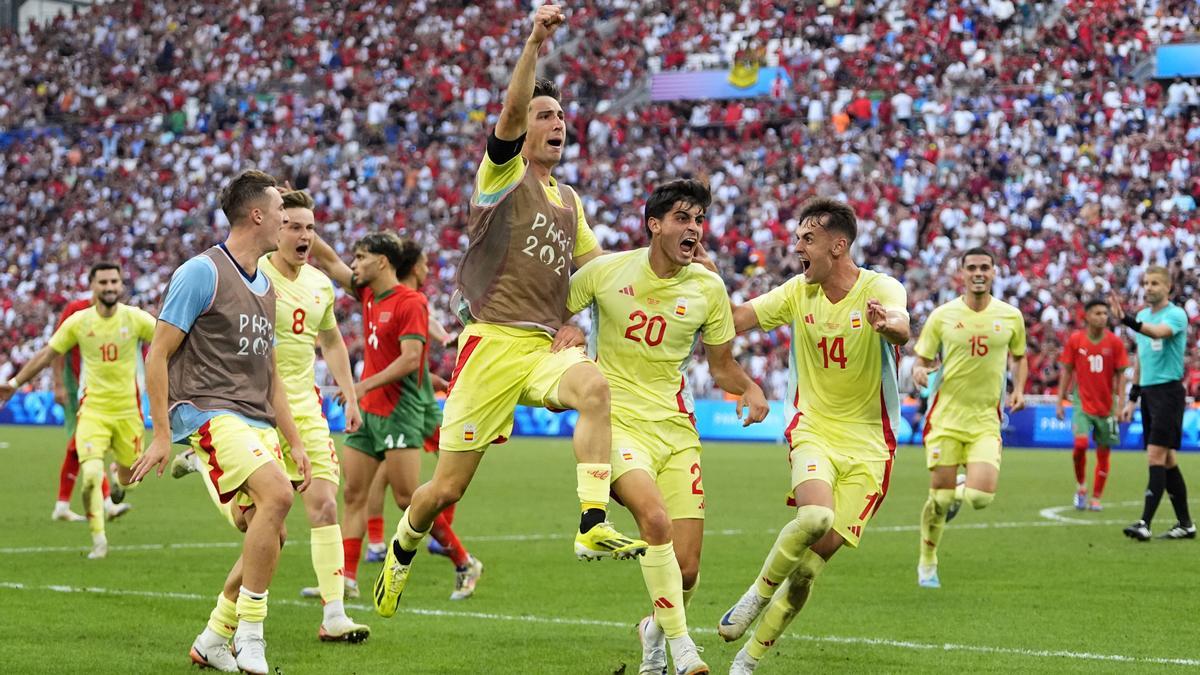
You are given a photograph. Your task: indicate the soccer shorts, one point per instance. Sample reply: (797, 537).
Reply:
(318, 445)
(96, 433)
(669, 451)
(859, 485)
(944, 448)
(1162, 414)
(498, 368)
(401, 430)
(230, 450)
(1104, 429)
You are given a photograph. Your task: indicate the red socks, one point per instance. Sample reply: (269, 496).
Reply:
(68, 473)
(445, 536)
(375, 530)
(1101, 472)
(353, 550)
(1080, 457)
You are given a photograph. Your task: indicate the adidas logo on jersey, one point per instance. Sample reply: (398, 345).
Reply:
(809, 318)
(628, 290)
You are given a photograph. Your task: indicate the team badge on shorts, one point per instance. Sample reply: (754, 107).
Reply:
(627, 455)
(468, 433)
(811, 467)
(856, 319)
(935, 454)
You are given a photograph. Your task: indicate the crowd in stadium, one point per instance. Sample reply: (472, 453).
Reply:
(944, 124)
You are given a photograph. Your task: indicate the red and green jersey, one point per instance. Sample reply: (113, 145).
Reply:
(392, 317)
(71, 373)
(1095, 364)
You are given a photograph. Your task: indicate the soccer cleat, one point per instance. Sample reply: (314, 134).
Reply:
(389, 586)
(603, 541)
(183, 464)
(99, 547)
(376, 552)
(743, 663)
(686, 656)
(63, 512)
(1139, 531)
(1080, 501)
(1095, 506)
(251, 653)
(117, 510)
(960, 493)
(350, 586)
(1180, 531)
(743, 613)
(217, 657)
(466, 578)
(435, 548)
(654, 647)
(116, 490)
(343, 629)
(927, 576)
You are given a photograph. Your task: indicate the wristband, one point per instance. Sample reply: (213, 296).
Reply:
(1132, 323)
(1135, 392)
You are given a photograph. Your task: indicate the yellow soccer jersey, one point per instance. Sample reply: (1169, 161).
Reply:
(646, 328)
(493, 180)
(843, 375)
(974, 348)
(303, 308)
(111, 354)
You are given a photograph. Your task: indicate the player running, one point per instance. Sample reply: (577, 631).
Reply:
(213, 384)
(109, 336)
(652, 305)
(846, 323)
(396, 391)
(1097, 359)
(525, 231)
(974, 335)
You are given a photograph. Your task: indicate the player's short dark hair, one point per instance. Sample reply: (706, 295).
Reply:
(101, 266)
(687, 190)
(401, 254)
(245, 187)
(1094, 302)
(544, 87)
(298, 199)
(977, 250)
(832, 215)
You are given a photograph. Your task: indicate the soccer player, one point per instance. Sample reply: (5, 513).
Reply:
(396, 391)
(974, 335)
(525, 231)
(652, 305)
(1097, 360)
(846, 323)
(1161, 330)
(213, 383)
(108, 335)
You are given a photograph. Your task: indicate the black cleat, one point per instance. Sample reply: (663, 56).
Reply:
(1139, 531)
(1180, 531)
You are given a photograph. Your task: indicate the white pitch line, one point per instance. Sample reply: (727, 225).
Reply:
(628, 625)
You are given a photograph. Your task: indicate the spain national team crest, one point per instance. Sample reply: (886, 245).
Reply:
(468, 433)
(681, 307)
(997, 326)
(124, 332)
(811, 467)
(856, 320)
(627, 455)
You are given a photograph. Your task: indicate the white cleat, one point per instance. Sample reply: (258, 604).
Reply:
(927, 576)
(743, 663)
(64, 513)
(251, 653)
(343, 629)
(217, 657)
(686, 656)
(743, 613)
(466, 578)
(184, 463)
(117, 510)
(654, 647)
(99, 547)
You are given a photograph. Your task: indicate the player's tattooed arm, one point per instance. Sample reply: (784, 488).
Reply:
(327, 259)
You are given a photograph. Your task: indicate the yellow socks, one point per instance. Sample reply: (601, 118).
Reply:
(978, 499)
(327, 560)
(251, 611)
(592, 481)
(786, 604)
(92, 473)
(689, 592)
(409, 538)
(933, 520)
(810, 524)
(223, 620)
(665, 584)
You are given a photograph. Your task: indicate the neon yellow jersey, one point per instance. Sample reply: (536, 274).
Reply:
(646, 328)
(843, 375)
(303, 308)
(111, 354)
(493, 180)
(974, 348)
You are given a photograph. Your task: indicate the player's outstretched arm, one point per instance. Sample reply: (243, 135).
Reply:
(337, 357)
(43, 358)
(327, 259)
(166, 341)
(1016, 400)
(513, 116)
(730, 377)
(744, 318)
(287, 426)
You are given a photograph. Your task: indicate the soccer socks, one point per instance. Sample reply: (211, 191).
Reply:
(933, 520)
(92, 472)
(444, 534)
(786, 604)
(251, 611)
(660, 570)
(810, 524)
(1154, 492)
(1177, 489)
(592, 485)
(353, 553)
(688, 593)
(327, 561)
(1080, 457)
(67, 474)
(222, 621)
(448, 513)
(375, 530)
(408, 537)
(978, 499)
(1101, 477)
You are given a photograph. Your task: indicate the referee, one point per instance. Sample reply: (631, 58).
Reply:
(1161, 333)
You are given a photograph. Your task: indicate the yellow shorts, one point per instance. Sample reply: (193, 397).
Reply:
(859, 486)
(669, 451)
(498, 368)
(230, 451)
(943, 448)
(318, 445)
(97, 433)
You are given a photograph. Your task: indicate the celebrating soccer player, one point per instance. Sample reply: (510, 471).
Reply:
(108, 335)
(1097, 360)
(1160, 329)
(525, 231)
(652, 304)
(974, 335)
(846, 323)
(213, 384)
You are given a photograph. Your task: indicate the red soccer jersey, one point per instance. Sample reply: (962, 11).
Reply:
(1095, 364)
(73, 355)
(396, 315)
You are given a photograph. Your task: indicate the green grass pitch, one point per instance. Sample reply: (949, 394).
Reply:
(1022, 590)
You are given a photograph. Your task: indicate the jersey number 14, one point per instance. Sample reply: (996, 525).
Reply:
(833, 351)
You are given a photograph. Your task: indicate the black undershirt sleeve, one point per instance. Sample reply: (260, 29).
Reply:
(500, 152)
